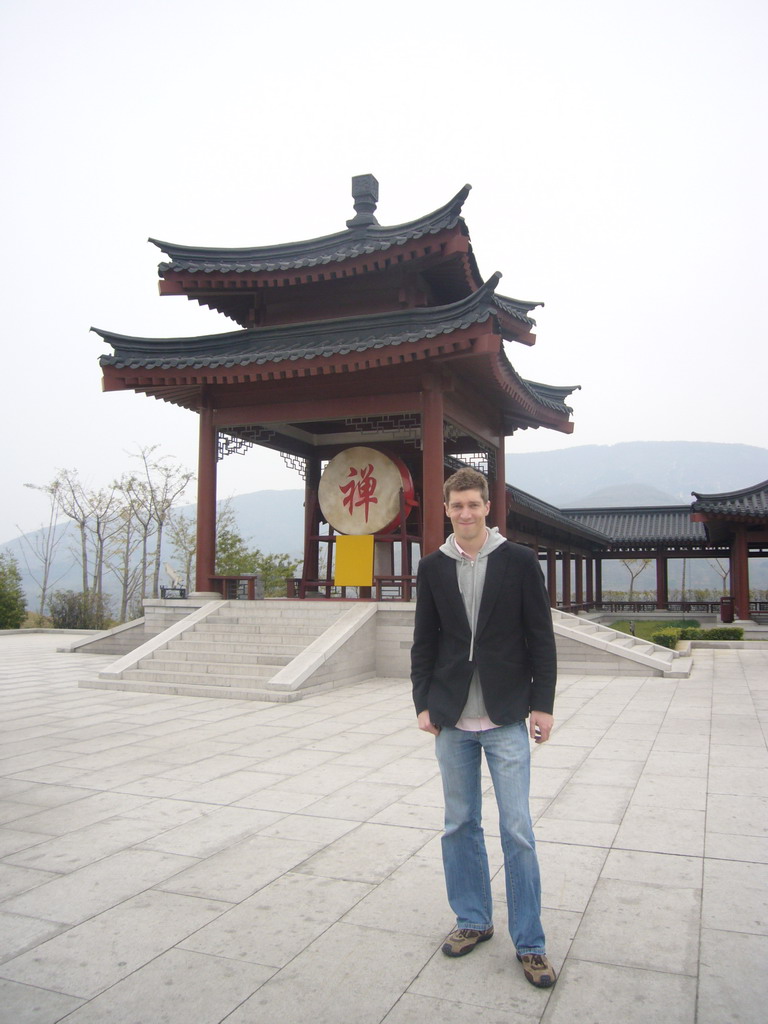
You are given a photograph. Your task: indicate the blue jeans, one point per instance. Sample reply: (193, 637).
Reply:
(465, 860)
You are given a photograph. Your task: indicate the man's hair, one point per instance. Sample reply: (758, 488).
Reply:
(466, 480)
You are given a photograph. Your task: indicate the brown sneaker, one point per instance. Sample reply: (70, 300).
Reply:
(537, 969)
(463, 940)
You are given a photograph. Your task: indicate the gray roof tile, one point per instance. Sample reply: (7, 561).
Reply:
(750, 501)
(666, 524)
(335, 248)
(316, 340)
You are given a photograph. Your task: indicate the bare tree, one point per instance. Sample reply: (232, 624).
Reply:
(723, 571)
(165, 482)
(140, 505)
(182, 533)
(124, 542)
(105, 515)
(634, 567)
(39, 548)
(73, 502)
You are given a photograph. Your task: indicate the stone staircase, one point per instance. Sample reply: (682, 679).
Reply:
(286, 650)
(587, 646)
(254, 650)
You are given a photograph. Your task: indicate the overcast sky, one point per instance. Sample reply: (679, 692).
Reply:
(617, 153)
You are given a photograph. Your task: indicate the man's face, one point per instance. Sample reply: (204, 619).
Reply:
(467, 512)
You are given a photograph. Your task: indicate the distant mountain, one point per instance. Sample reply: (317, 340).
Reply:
(624, 494)
(272, 521)
(575, 477)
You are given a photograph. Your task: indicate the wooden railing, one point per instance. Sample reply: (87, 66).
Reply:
(385, 588)
(238, 588)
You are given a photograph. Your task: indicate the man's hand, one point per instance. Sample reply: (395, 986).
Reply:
(425, 723)
(540, 725)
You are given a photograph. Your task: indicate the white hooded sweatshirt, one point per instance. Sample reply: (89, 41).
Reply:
(471, 579)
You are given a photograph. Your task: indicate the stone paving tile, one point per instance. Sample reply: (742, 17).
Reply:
(234, 874)
(723, 994)
(75, 897)
(605, 994)
(662, 830)
(19, 933)
(93, 956)
(178, 987)
(370, 853)
(580, 802)
(625, 920)
(211, 832)
(735, 896)
(15, 880)
(76, 849)
(24, 1004)
(279, 921)
(349, 974)
(79, 813)
(288, 900)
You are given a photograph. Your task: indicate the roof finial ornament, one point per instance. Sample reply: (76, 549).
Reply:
(365, 192)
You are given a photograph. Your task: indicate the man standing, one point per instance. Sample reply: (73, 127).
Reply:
(483, 660)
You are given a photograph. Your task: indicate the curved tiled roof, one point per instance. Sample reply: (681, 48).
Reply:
(662, 524)
(320, 339)
(335, 248)
(542, 510)
(749, 501)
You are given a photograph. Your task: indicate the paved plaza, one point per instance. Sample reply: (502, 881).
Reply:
(178, 860)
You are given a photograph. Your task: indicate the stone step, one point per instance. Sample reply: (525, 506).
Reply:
(239, 645)
(216, 626)
(249, 636)
(188, 689)
(219, 656)
(218, 675)
(253, 613)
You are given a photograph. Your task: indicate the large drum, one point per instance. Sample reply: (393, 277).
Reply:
(359, 491)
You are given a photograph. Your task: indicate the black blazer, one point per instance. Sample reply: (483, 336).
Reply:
(514, 641)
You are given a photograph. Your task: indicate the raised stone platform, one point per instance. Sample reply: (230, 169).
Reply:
(286, 650)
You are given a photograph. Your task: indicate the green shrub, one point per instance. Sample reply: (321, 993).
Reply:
(645, 628)
(724, 633)
(13, 605)
(692, 634)
(69, 610)
(666, 637)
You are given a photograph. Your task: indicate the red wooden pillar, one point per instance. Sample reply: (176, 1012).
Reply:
(566, 579)
(552, 576)
(740, 573)
(662, 581)
(498, 494)
(579, 580)
(206, 499)
(311, 519)
(432, 456)
(590, 582)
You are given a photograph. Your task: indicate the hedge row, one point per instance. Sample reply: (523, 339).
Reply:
(669, 636)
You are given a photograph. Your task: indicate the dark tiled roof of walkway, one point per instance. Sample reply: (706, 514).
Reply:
(662, 524)
(750, 501)
(543, 511)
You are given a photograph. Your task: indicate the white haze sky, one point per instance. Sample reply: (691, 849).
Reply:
(617, 153)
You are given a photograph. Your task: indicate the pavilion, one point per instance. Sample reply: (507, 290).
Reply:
(386, 336)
